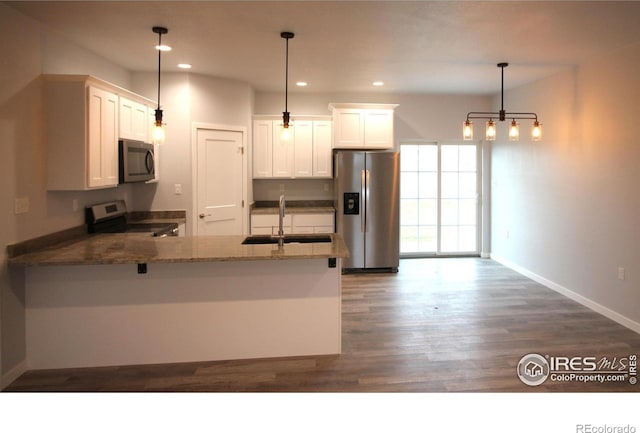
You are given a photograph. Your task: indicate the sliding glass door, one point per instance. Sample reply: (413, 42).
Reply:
(439, 199)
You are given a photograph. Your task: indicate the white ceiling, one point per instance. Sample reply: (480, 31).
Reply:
(342, 46)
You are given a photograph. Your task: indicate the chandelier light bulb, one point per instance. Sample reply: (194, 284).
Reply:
(536, 131)
(514, 131)
(490, 133)
(467, 130)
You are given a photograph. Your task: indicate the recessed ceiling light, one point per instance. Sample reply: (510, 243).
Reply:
(184, 65)
(378, 83)
(301, 83)
(163, 47)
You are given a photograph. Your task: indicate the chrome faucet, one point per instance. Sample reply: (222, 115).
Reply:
(281, 214)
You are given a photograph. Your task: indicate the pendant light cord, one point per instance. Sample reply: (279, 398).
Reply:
(159, 57)
(286, 75)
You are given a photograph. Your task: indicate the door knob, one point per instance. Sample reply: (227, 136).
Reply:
(204, 215)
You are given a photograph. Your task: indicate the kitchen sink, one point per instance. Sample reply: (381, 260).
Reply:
(288, 239)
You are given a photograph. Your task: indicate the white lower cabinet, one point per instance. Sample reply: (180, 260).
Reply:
(313, 223)
(293, 223)
(269, 224)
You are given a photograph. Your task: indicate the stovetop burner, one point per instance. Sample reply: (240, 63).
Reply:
(111, 217)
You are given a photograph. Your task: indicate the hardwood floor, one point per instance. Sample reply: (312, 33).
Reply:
(439, 325)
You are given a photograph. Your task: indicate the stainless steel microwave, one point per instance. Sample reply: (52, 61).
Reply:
(136, 161)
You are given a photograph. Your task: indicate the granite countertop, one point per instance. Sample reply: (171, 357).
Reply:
(293, 207)
(124, 248)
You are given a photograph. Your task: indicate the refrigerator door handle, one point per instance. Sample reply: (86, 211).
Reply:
(366, 201)
(363, 218)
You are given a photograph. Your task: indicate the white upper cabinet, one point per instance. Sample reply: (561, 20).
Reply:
(305, 154)
(303, 150)
(282, 151)
(322, 153)
(134, 120)
(82, 135)
(262, 149)
(363, 126)
(83, 127)
(103, 138)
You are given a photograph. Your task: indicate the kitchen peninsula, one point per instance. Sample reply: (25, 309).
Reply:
(120, 299)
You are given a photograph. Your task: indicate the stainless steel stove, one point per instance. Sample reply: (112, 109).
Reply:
(111, 217)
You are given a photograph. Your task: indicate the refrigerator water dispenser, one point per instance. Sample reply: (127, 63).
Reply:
(352, 203)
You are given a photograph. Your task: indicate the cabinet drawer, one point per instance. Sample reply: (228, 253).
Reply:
(268, 224)
(313, 220)
(269, 220)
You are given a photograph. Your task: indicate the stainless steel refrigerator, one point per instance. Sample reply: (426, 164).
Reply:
(367, 202)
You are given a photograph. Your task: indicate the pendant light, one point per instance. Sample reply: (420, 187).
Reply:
(158, 129)
(286, 135)
(514, 128)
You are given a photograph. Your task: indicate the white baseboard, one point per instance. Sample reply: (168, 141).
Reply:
(592, 305)
(12, 374)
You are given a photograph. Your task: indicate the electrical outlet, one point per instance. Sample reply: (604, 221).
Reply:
(177, 189)
(74, 204)
(326, 187)
(282, 187)
(621, 273)
(21, 205)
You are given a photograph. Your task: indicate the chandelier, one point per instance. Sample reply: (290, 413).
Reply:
(502, 115)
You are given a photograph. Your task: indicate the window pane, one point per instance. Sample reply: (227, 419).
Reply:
(467, 239)
(467, 158)
(467, 211)
(409, 157)
(428, 159)
(409, 184)
(449, 187)
(449, 239)
(449, 158)
(428, 239)
(428, 212)
(467, 185)
(409, 239)
(449, 212)
(428, 187)
(408, 212)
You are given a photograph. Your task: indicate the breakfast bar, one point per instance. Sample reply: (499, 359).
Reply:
(122, 299)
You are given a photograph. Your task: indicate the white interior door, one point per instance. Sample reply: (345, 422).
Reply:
(219, 182)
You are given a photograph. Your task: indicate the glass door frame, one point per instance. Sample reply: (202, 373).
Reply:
(479, 201)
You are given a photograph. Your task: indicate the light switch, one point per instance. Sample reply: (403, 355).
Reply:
(22, 205)
(177, 189)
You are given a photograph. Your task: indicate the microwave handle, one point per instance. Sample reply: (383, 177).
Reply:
(148, 161)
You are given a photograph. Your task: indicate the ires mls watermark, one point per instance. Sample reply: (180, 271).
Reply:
(534, 369)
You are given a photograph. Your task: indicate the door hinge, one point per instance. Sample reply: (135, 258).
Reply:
(243, 203)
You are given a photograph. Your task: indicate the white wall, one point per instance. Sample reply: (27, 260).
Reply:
(566, 209)
(186, 99)
(27, 52)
